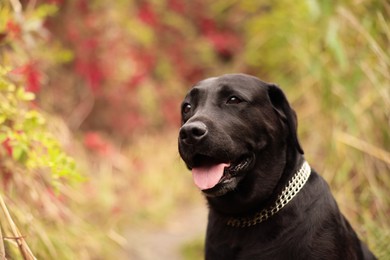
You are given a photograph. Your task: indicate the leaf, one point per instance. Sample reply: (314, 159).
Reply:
(3, 137)
(28, 96)
(3, 118)
(4, 70)
(45, 10)
(24, 95)
(20, 153)
(335, 45)
(34, 119)
(64, 56)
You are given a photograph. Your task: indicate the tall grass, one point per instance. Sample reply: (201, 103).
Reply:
(333, 60)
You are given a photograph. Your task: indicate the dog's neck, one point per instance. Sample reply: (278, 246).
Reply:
(290, 190)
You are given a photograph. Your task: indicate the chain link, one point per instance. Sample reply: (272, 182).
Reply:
(289, 192)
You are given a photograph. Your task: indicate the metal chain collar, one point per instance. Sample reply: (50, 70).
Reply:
(289, 192)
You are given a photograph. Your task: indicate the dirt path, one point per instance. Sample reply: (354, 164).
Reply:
(165, 242)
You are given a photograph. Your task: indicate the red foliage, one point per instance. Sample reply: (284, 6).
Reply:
(14, 30)
(147, 15)
(207, 25)
(114, 60)
(95, 142)
(55, 2)
(177, 6)
(225, 43)
(91, 72)
(145, 62)
(82, 6)
(7, 146)
(32, 76)
(6, 174)
(55, 197)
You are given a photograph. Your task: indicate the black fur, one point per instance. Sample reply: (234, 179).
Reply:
(235, 116)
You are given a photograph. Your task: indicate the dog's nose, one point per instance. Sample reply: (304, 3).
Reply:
(192, 133)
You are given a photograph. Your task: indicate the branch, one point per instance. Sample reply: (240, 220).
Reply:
(23, 247)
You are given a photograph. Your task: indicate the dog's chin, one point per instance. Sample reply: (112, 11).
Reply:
(224, 187)
(231, 177)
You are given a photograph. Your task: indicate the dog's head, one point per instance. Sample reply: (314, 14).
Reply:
(236, 131)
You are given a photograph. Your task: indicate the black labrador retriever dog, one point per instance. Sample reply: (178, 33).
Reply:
(239, 139)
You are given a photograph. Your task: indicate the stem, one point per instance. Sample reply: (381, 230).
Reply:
(23, 247)
(17, 6)
(2, 249)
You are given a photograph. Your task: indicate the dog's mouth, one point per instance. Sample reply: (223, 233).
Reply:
(213, 176)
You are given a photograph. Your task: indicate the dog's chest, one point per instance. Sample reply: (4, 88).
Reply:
(249, 244)
(264, 241)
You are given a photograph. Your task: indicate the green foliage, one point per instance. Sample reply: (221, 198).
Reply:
(121, 68)
(32, 161)
(193, 250)
(28, 141)
(332, 59)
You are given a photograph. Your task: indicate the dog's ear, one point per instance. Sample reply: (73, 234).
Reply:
(286, 113)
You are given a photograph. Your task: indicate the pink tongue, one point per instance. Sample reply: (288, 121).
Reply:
(208, 177)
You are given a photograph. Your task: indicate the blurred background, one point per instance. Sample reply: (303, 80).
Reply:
(89, 114)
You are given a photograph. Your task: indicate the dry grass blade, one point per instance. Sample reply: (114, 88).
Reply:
(17, 6)
(2, 249)
(364, 147)
(23, 247)
(353, 20)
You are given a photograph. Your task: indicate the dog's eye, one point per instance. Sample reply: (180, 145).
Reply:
(186, 108)
(234, 100)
